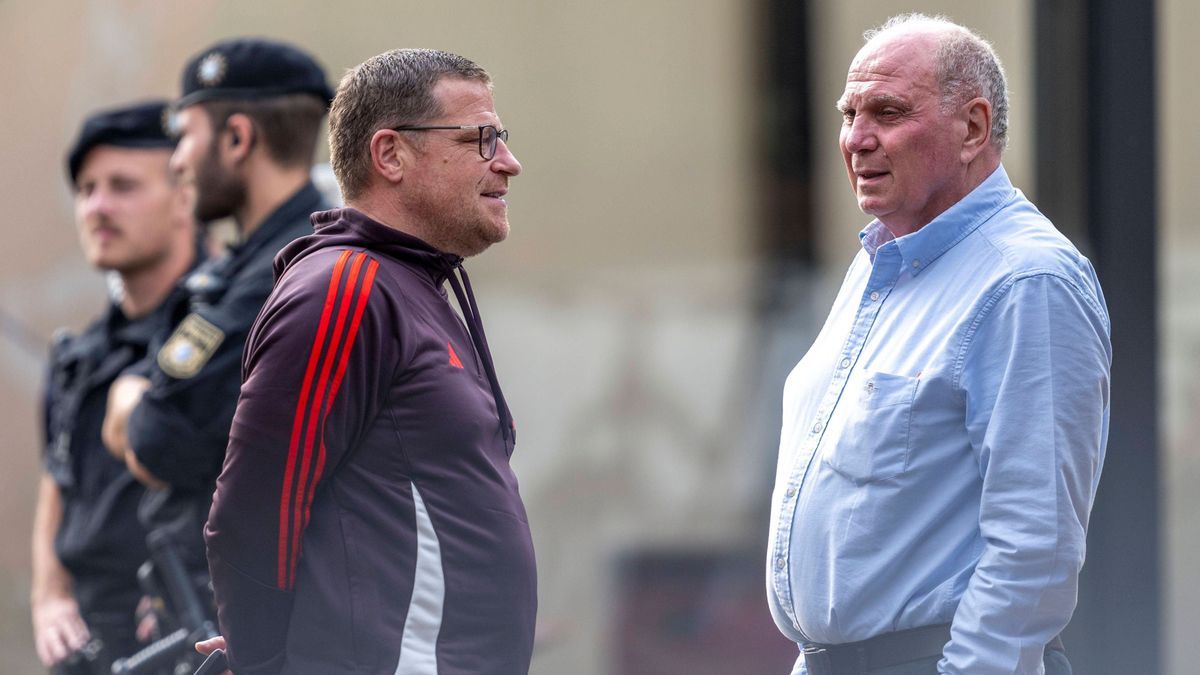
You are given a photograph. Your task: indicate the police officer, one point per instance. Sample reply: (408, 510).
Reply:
(134, 220)
(247, 126)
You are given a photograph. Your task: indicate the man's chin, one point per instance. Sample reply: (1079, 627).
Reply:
(871, 205)
(495, 233)
(482, 243)
(104, 263)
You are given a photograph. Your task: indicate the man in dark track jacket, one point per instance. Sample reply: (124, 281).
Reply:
(247, 123)
(367, 519)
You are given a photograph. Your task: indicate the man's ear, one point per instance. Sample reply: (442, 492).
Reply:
(238, 138)
(391, 154)
(979, 129)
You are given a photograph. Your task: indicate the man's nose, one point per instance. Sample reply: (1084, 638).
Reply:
(505, 161)
(859, 136)
(175, 164)
(98, 202)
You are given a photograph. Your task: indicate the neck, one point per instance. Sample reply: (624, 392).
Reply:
(979, 170)
(145, 289)
(381, 209)
(974, 175)
(267, 188)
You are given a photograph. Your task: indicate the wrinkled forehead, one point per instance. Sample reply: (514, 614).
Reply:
(903, 61)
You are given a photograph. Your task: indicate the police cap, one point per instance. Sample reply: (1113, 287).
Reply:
(247, 68)
(142, 125)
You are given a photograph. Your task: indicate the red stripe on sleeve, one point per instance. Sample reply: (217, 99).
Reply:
(297, 423)
(317, 418)
(364, 294)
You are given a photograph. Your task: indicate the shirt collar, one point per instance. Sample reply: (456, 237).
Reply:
(920, 249)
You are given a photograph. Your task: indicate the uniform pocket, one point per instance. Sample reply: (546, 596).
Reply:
(873, 443)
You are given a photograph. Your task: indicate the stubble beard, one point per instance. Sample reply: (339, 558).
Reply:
(465, 232)
(122, 256)
(218, 194)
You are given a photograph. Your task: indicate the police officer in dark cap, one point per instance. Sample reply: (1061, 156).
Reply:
(247, 126)
(134, 220)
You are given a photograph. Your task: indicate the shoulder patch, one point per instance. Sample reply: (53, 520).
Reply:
(189, 347)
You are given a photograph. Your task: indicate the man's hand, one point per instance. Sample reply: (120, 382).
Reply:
(142, 473)
(211, 645)
(123, 396)
(58, 629)
(147, 620)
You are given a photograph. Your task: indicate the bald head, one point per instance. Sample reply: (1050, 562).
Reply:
(916, 136)
(965, 64)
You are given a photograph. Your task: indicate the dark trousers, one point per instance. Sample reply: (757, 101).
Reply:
(1055, 660)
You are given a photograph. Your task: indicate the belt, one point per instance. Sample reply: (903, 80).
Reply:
(881, 651)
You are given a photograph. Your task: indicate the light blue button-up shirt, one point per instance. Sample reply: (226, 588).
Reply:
(942, 440)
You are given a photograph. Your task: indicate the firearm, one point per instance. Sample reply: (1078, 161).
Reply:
(183, 602)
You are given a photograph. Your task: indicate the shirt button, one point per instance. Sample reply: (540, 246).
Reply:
(874, 296)
(845, 363)
(791, 492)
(916, 264)
(779, 563)
(818, 427)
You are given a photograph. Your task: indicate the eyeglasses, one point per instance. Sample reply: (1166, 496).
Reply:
(488, 135)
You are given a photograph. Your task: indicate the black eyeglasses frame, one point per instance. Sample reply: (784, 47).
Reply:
(487, 140)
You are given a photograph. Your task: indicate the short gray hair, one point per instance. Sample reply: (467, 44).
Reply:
(389, 90)
(967, 66)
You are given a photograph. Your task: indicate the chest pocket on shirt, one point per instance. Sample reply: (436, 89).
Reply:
(873, 445)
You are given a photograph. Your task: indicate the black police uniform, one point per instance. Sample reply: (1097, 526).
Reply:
(180, 428)
(100, 541)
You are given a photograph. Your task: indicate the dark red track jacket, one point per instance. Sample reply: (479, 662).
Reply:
(366, 519)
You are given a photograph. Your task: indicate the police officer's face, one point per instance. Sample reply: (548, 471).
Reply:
(127, 209)
(458, 195)
(902, 151)
(218, 193)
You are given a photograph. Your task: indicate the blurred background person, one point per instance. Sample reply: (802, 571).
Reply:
(134, 218)
(247, 125)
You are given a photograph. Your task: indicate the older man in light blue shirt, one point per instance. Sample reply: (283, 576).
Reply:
(942, 439)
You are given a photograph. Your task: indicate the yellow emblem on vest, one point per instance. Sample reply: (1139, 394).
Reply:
(189, 347)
